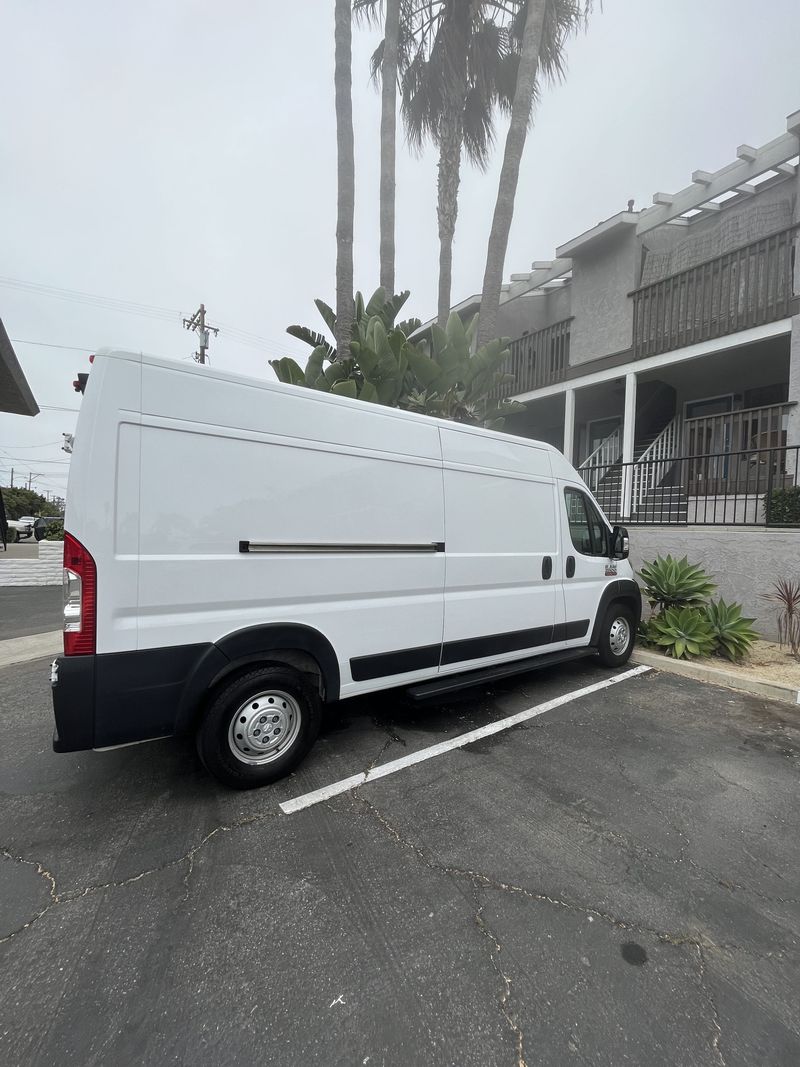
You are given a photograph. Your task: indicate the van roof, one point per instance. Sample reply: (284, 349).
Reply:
(275, 386)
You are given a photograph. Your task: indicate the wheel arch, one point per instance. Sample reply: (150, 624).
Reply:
(291, 644)
(623, 591)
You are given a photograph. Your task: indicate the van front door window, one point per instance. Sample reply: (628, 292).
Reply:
(586, 528)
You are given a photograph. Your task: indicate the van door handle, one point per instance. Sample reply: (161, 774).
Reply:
(570, 566)
(547, 567)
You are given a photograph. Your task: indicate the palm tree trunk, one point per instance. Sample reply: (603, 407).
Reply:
(388, 137)
(447, 201)
(509, 174)
(345, 175)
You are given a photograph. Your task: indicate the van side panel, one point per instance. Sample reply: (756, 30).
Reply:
(233, 463)
(501, 527)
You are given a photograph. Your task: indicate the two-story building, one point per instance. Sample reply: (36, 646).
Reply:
(661, 349)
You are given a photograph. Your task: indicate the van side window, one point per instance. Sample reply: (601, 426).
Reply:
(586, 528)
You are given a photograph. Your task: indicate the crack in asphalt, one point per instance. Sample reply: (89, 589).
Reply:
(715, 1020)
(497, 948)
(57, 898)
(697, 941)
(488, 882)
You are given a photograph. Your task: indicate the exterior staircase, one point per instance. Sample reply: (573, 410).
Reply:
(667, 504)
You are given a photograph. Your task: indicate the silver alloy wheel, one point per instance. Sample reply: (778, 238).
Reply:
(619, 636)
(265, 727)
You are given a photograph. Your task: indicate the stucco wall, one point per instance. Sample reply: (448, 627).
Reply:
(533, 311)
(48, 569)
(744, 562)
(602, 277)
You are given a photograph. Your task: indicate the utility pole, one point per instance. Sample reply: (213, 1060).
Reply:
(197, 323)
(12, 477)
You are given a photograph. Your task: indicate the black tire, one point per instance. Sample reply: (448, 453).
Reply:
(619, 621)
(276, 700)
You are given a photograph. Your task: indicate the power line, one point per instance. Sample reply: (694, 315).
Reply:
(44, 444)
(131, 307)
(50, 407)
(44, 344)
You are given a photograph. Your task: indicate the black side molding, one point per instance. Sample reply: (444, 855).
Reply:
(453, 682)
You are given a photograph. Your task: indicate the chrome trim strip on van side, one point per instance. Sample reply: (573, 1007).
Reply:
(310, 547)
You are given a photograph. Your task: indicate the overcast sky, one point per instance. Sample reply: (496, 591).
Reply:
(180, 151)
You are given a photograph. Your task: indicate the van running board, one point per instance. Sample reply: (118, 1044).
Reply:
(452, 683)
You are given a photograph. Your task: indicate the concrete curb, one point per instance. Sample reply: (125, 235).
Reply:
(718, 676)
(24, 649)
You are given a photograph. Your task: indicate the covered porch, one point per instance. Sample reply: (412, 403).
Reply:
(655, 441)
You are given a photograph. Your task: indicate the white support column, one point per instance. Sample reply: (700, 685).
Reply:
(569, 423)
(628, 436)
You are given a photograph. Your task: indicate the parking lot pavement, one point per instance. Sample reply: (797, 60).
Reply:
(612, 882)
(28, 548)
(29, 609)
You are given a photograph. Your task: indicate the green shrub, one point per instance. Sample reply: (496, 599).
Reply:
(682, 632)
(782, 507)
(733, 634)
(55, 531)
(670, 583)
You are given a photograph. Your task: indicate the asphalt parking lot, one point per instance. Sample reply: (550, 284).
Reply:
(612, 882)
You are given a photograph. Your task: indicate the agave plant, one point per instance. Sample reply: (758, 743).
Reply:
(682, 632)
(786, 594)
(672, 582)
(733, 634)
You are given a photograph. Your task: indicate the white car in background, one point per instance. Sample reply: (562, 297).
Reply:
(18, 529)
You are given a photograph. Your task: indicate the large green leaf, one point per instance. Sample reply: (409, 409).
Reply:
(312, 338)
(288, 371)
(376, 302)
(314, 366)
(328, 314)
(345, 388)
(423, 368)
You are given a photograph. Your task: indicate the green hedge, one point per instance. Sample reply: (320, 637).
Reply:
(782, 507)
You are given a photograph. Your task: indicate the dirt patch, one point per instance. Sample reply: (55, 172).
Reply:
(768, 662)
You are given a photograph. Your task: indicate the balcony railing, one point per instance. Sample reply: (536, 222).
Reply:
(749, 286)
(537, 359)
(763, 427)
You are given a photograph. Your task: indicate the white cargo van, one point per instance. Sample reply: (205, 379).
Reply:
(239, 552)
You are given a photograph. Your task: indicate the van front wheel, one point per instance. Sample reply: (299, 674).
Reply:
(616, 636)
(259, 727)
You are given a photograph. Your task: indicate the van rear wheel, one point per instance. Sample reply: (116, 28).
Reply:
(259, 727)
(616, 636)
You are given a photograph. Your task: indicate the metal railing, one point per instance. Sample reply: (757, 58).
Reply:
(537, 359)
(762, 427)
(651, 467)
(748, 487)
(607, 453)
(746, 287)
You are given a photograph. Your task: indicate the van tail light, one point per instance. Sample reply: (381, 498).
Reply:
(80, 599)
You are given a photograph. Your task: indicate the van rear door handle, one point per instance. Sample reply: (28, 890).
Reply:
(570, 566)
(547, 567)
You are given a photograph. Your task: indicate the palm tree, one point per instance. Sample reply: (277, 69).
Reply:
(456, 61)
(345, 174)
(541, 28)
(388, 134)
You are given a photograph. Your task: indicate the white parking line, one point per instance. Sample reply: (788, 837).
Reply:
(346, 784)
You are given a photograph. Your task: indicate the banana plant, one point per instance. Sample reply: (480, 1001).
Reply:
(385, 307)
(453, 382)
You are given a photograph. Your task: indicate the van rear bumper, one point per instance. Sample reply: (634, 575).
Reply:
(120, 697)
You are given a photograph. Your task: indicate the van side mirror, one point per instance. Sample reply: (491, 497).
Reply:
(620, 543)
